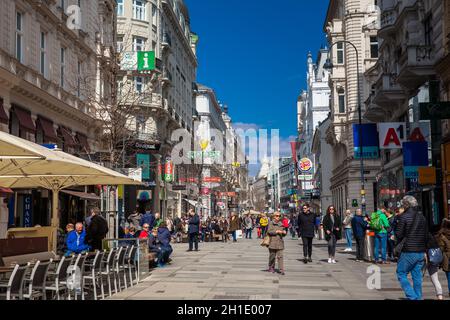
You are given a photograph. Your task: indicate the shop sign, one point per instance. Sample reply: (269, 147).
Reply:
(305, 177)
(305, 165)
(370, 143)
(179, 187)
(27, 211)
(415, 155)
(134, 173)
(427, 176)
(392, 134)
(143, 162)
(168, 171)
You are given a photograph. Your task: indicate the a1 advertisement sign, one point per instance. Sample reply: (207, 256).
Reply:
(392, 135)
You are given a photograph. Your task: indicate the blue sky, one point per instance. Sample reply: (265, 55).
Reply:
(253, 54)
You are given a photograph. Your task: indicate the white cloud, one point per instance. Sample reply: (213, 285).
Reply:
(245, 126)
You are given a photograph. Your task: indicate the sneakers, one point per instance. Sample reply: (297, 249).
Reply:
(282, 272)
(333, 261)
(329, 260)
(309, 260)
(272, 270)
(348, 250)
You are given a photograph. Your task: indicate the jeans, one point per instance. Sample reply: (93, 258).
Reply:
(263, 231)
(248, 233)
(348, 236)
(411, 262)
(193, 239)
(164, 254)
(332, 246)
(390, 247)
(380, 239)
(307, 246)
(234, 236)
(359, 248)
(448, 280)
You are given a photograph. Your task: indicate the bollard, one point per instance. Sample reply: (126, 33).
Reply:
(369, 246)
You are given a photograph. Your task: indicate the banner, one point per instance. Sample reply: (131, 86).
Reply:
(294, 150)
(143, 161)
(415, 155)
(168, 171)
(370, 148)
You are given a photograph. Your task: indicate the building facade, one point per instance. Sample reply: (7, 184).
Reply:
(354, 21)
(56, 65)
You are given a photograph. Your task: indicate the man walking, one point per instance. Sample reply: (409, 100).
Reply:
(306, 229)
(96, 230)
(248, 223)
(193, 229)
(411, 231)
(359, 226)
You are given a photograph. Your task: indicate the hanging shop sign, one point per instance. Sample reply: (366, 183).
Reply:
(179, 187)
(305, 165)
(168, 171)
(305, 177)
(212, 179)
(134, 173)
(392, 134)
(143, 162)
(138, 61)
(370, 142)
(427, 176)
(415, 155)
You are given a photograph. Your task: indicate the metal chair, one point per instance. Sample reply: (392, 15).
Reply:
(108, 270)
(58, 278)
(131, 264)
(35, 284)
(78, 265)
(14, 286)
(120, 266)
(93, 273)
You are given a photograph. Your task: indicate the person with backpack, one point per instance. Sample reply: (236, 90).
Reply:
(411, 234)
(97, 230)
(443, 240)
(379, 224)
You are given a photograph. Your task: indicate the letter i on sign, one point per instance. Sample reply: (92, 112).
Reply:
(146, 66)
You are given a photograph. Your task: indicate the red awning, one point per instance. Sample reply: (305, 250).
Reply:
(6, 190)
(47, 127)
(67, 136)
(82, 139)
(3, 116)
(25, 120)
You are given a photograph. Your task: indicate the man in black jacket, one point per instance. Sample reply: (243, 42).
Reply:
(411, 230)
(96, 230)
(193, 229)
(306, 221)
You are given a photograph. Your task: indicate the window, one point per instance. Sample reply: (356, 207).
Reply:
(63, 66)
(154, 15)
(43, 54)
(373, 47)
(340, 53)
(341, 99)
(19, 36)
(63, 4)
(119, 44)
(139, 84)
(139, 9)
(138, 44)
(119, 8)
(79, 76)
(428, 31)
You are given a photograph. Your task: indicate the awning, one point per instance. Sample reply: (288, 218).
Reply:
(82, 195)
(6, 190)
(25, 120)
(3, 115)
(67, 136)
(47, 127)
(82, 139)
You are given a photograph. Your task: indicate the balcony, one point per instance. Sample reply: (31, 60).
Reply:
(388, 91)
(387, 25)
(416, 63)
(374, 112)
(166, 77)
(147, 136)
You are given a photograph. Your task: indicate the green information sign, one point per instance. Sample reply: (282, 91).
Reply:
(145, 60)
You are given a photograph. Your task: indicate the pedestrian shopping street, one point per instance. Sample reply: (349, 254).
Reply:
(234, 271)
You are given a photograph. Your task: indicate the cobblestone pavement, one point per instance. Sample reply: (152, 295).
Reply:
(235, 271)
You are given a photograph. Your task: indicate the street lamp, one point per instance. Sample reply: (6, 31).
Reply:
(329, 66)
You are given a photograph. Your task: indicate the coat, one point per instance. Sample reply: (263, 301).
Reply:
(306, 224)
(149, 219)
(328, 226)
(416, 239)
(276, 240)
(76, 243)
(194, 224)
(359, 227)
(97, 229)
(135, 219)
(443, 240)
(164, 237)
(234, 224)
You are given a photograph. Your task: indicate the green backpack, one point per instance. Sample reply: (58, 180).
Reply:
(375, 222)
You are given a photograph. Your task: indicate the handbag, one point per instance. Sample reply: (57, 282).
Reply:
(266, 241)
(435, 256)
(399, 247)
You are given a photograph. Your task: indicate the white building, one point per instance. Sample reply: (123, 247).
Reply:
(315, 107)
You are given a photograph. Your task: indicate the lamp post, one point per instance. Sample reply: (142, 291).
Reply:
(329, 66)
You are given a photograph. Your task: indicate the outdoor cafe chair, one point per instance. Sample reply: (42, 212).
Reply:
(35, 283)
(120, 266)
(14, 286)
(108, 271)
(131, 264)
(93, 273)
(78, 265)
(58, 279)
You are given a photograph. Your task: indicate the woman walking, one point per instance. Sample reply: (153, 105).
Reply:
(276, 232)
(332, 226)
(234, 225)
(306, 221)
(263, 222)
(433, 266)
(443, 239)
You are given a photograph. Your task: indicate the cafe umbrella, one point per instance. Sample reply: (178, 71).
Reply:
(24, 164)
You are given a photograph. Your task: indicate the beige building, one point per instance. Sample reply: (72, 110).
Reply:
(354, 21)
(413, 37)
(55, 62)
(160, 101)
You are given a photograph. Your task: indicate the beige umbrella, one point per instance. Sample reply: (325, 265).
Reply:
(24, 164)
